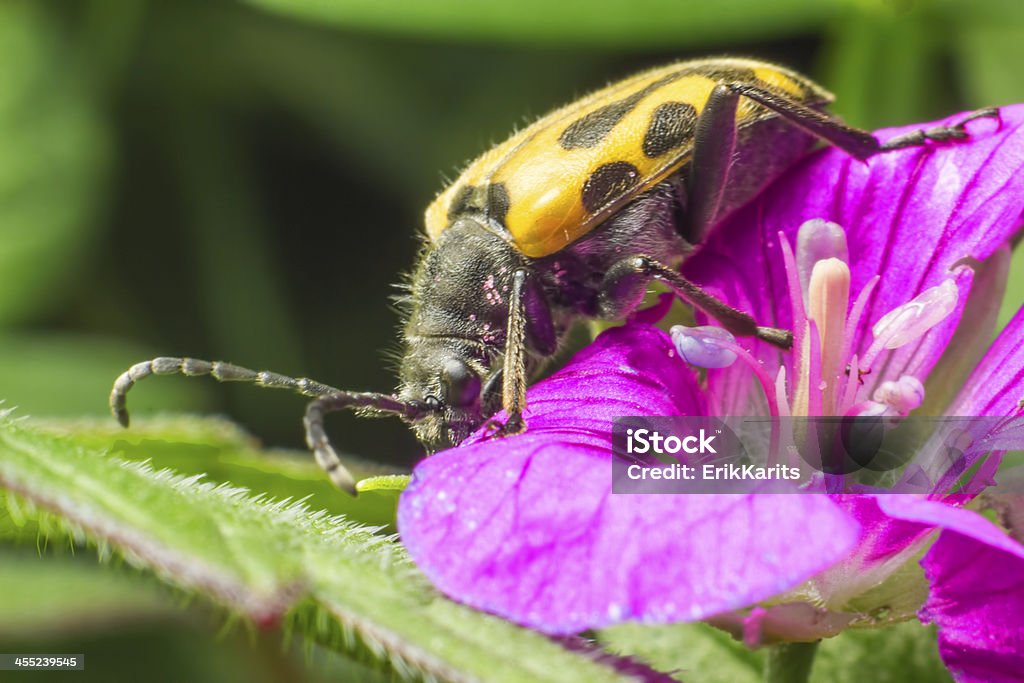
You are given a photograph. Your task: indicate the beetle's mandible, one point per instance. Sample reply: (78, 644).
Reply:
(571, 218)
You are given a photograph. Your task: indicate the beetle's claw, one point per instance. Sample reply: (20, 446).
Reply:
(496, 429)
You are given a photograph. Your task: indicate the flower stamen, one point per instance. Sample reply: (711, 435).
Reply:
(828, 298)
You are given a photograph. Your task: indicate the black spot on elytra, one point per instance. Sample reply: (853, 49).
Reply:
(461, 203)
(671, 125)
(589, 130)
(607, 183)
(497, 202)
(491, 200)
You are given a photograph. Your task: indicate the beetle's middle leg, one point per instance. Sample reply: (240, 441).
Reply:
(626, 282)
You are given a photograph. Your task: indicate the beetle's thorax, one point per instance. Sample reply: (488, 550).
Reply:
(460, 294)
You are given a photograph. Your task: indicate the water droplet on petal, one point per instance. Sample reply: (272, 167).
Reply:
(701, 346)
(908, 322)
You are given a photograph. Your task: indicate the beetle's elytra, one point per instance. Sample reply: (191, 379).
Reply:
(571, 218)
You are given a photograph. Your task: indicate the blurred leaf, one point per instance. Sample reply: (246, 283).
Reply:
(645, 23)
(700, 653)
(350, 588)
(989, 60)
(1014, 300)
(987, 43)
(237, 272)
(54, 161)
(695, 653)
(66, 374)
(65, 595)
(884, 66)
(905, 652)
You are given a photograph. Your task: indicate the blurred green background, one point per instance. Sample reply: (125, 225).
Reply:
(246, 180)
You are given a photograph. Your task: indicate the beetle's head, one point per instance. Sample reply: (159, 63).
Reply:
(452, 382)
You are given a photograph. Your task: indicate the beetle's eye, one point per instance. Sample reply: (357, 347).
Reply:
(461, 386)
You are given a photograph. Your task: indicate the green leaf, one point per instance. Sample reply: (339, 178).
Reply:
(69, 374)
(336, 581)
(642, 22)
(703, 654)
(699, 653)
(884, 67)
(221, 452)
(904, 652)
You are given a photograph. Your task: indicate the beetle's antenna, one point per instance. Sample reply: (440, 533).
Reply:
(372, 404)
(222, 372)
(328, 399)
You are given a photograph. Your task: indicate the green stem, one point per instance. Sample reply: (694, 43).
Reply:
(790, 662)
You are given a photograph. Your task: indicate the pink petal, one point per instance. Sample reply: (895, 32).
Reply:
(527, 527)
(976, 577)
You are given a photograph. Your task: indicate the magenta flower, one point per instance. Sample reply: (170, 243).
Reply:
(892, 313)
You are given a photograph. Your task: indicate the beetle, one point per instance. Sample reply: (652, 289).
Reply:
(572, 218)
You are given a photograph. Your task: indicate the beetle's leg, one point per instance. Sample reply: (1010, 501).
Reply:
(626, 281)
(713, 148)
(958, 131)
(854, 141)
(715, 142)
(374, 404)
(513, 382)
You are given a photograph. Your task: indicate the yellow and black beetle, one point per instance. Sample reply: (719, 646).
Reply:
(573, 217)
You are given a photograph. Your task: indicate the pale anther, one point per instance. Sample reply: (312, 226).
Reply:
(904, 395)
(910, 321)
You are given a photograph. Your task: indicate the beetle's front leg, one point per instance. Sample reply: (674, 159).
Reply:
(626, 281)
(513, 385)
